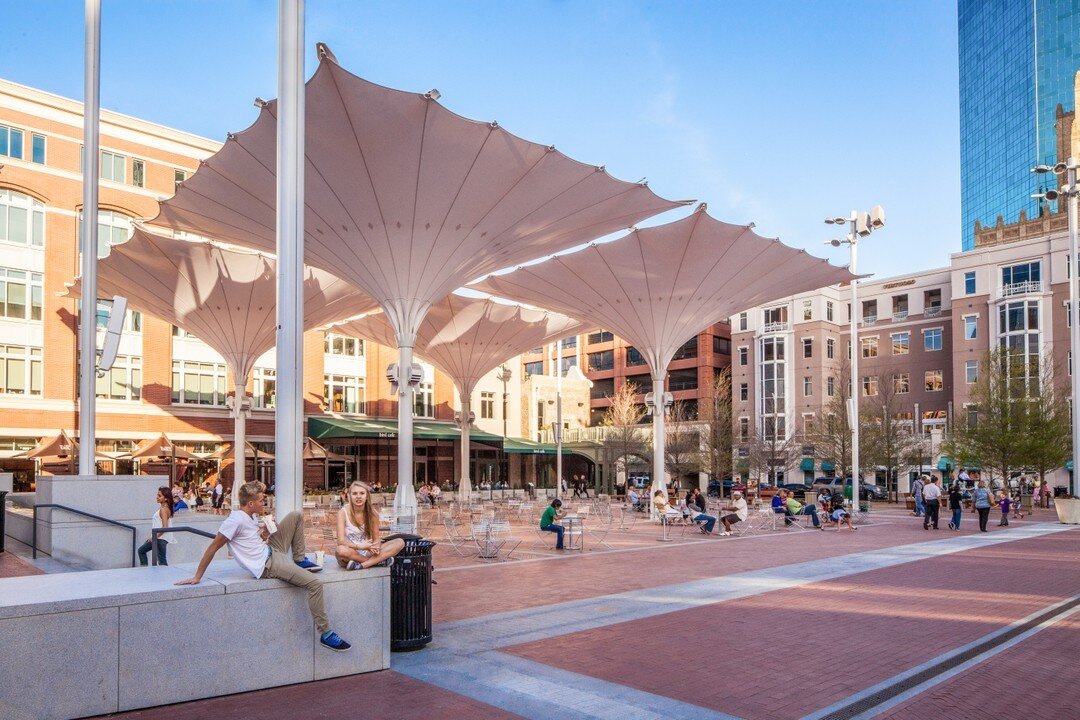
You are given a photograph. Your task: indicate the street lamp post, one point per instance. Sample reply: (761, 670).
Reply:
(862, 224)
(1071, 192)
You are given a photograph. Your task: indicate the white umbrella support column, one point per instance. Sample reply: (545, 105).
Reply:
(240, 441)
(289, 430)
(465, 484)
(856, 382)
(405, 496)
(88, 245)
(659, 441)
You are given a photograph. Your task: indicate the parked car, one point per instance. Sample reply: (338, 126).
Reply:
(794, 487)
(728, 485)
(867, 491)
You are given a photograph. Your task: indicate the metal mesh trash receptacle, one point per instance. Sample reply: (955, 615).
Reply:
(410, 595)
(3, 517)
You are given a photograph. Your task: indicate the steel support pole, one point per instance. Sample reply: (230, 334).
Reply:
(88, 244)
(659, 439)
(1074, 329)
(856, 383)
(405, 495)
(465, 484)
(240, 443)
(289, 427)
(558, 419)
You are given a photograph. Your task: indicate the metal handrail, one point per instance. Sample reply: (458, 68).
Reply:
(154, 532)
(134, 541)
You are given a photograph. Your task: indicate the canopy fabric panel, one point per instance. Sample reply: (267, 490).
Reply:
(403, 197)
(466, 338)
(60, 445)
(226, 452)
(657, 287)
(225, 297)
(161, 447)
(315, 451)
(518, 446)
(334, 427)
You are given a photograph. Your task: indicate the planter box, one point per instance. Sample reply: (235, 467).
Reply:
(1068, 510)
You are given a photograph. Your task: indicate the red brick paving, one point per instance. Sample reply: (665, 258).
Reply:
(384, 694)
(845, 634)
(12, 566)
(1034, 680)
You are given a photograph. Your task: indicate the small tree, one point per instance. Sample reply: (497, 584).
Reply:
(886, 440)
(1048, 432)
(624, 438)
(771, 452)
(831, 436)
(717, 425)
(682, 446)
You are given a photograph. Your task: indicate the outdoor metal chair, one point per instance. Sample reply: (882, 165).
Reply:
(597, 528)
(459, 535)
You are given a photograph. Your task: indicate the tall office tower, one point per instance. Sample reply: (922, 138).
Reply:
(1017, 63)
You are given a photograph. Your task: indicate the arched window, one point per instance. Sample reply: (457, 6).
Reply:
(113, 228)
(22, 219)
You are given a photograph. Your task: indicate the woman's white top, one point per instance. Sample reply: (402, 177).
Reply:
(155, 522)
(353, 534)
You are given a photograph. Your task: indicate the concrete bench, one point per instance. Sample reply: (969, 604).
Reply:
(104, 641)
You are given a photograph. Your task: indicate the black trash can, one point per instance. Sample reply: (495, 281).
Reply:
(3, 517)
(410, 595)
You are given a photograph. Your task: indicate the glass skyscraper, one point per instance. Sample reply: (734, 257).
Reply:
(1018, 59)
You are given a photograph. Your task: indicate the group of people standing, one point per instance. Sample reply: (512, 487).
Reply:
(929, 497)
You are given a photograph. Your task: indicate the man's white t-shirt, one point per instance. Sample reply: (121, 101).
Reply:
(249, 550)
(740, 508)
(931, 492)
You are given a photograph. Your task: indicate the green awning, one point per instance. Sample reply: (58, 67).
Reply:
(827, 466)
(945, 464)
(807, 465)
(326, 428)
(517, 446)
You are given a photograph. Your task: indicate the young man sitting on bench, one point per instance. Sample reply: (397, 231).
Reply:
(269, 552)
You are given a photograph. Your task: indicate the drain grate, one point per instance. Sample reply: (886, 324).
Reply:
(885, 694)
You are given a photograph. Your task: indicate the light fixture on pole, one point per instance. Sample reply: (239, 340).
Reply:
(861, 225)
(1070, 192)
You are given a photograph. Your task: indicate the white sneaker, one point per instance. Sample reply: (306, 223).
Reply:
(352, 565)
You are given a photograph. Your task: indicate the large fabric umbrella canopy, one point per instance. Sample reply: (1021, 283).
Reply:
(467, 338)
(161, 447)
(407, 200)
(657, 287)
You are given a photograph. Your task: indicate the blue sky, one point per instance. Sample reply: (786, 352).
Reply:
(779, 112)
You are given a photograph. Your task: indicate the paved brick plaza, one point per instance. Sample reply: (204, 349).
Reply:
(784, 625)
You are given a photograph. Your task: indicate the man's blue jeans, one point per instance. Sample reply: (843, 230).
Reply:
(920, 508)
(956, 515)
(558, 530)
(811, 510)
(707, 522)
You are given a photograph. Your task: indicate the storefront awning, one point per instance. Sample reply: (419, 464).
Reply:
(332, 428)
(807, 465)
(517, 446)
(945, 464)
(827, 467)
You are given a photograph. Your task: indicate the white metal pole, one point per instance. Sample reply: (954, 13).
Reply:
(405, 495)
(558, 419)
(289, 430)
(88, 244)
(1074, 330)
(659, 439)
(465, 486)
(240, 442)
(856, 383)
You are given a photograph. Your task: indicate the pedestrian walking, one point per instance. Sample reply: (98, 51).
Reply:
(932, 502)
(956, 504)
(1004, 503)
(980, 498)
(917, 493)
(160, 519)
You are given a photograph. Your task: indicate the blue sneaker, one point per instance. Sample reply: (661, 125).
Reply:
(308, 565)
(333, 641)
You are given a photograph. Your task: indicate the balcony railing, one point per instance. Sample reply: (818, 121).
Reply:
(775, 327)
(899, 315)
(869, 319)
(932, 311)
(1021, 288)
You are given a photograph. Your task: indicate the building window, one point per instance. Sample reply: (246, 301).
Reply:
(569, 342)
(11, 142)
(132, 318)
(22, 219)
(744, 429)
(830, 386)
(687, 350)
(20, 370)
(600, 337)
(179, 176)
(901, 343)
(971, 326)
(969, 283)
(932, 340)
(807, 386)
(1022, 277)
(830, 348)
(744, 353)
(808, 347)
(1018, 334)
(179, 332)
(633, 357)
(869, 347)
(534, 368)
(138, 173)
(742, 321)
(683, 379)
(776, 316)
(721, 345)
(342, 345)
(603, 360)
(744, 392)
(869, 385)
(773, 390)
(198, 383)
(971, 371)
(829, 310)
(265, 390)
(113, 228)
(807, 310)
(345, 394)
(902, 383)
(113, 166)
(566, 363)
(424, 400)
(21, 294)
(487, 405)
(37, 149)
(123, 381)
(933, 381)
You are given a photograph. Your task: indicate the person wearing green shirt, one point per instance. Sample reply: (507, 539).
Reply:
(547, 522)
(797, 508)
